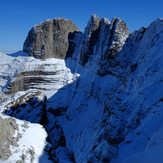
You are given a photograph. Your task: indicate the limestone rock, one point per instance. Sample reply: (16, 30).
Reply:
(118, 34)
(7, 131)
(49, 39)
(45, 75)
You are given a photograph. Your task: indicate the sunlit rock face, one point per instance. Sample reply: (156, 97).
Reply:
(8, 128)
(49, 39)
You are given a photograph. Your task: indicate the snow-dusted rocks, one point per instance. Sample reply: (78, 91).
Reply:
(21, 141)
(49, 39)
(10, 65)
(108, 113)
(24, 97)
(104, 101)
(29, 106)
(101, 41)
(46, 75)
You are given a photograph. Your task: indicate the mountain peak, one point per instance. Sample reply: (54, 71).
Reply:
(49, 39)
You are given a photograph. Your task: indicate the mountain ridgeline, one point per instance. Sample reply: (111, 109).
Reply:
(97, 93)
(61, 38)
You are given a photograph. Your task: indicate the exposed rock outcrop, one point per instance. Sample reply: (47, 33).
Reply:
(117, 35)
(30, 106)
(118, 107)
(17, 142)
(49, 39)
(47, 76)
(8, 127)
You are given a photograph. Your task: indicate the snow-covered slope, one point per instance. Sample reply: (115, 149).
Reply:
(22, 141)
(103, 103)
(144, 88)
(24, 79)
(9, 66)
(105, 111)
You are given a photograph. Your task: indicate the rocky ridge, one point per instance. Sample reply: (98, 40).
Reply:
(99, 100)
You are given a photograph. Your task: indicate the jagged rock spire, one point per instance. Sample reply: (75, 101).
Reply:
(89, 39)
(102, 40)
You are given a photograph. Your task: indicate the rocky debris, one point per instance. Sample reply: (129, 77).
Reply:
(20, 98)
(29, 153)
(30, 141)
(8, 127)
(50, 39)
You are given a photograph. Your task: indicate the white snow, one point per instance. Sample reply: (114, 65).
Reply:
(11, 66)
(33, 140)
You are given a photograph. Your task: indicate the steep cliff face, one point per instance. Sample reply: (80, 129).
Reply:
(89, 39)
(101, 41)
(110, 113)
(49, 39)
(104, 102)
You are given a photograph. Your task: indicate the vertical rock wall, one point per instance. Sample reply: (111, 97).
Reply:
(49, 39)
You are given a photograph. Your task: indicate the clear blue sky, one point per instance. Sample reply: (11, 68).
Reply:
(17, 17)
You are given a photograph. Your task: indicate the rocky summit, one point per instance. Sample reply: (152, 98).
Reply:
(49, 39)
(93, 96)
